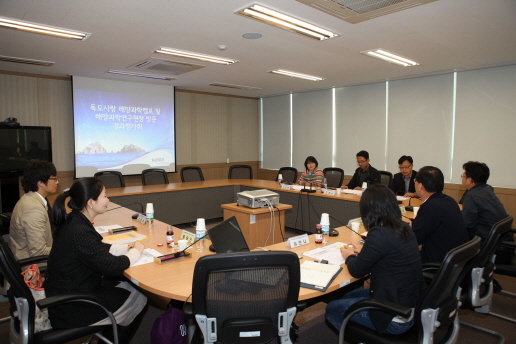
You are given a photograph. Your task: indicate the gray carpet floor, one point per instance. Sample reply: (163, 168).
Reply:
(314, 329)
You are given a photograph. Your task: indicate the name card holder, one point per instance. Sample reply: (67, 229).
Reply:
(331, 192)
(297, 241)
(403, 210)
(186, 235)
(286, 186)
(142, 218)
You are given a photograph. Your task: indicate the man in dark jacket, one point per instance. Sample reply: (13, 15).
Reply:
(364, 173)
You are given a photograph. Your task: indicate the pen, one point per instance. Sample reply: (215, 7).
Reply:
(147, 237)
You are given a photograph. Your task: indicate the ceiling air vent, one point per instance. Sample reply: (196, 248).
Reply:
(164, 66)
(26, 61)
(239, 87)
(356, 11)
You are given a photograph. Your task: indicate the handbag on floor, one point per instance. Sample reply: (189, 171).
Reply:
(170, 327)
(34, 281)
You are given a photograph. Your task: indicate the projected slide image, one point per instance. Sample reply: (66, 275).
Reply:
(122, 132)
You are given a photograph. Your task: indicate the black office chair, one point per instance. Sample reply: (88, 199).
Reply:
(191, 174)
(334, 176)
(251, 292)
(435, 317)
(386, 178)
(22, 306)
(240, 172)
(289, 174)
(153, 176)
(111, 179)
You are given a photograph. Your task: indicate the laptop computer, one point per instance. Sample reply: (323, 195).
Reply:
(227, 237)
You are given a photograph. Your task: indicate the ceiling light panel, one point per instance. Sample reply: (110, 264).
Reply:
(195, 56)
(296, 75)
(390, 57)
(239, 87)
(284, 21)
(26, 61)
(42, 29)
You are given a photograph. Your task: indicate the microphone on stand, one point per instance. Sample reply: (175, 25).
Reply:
(180, 254)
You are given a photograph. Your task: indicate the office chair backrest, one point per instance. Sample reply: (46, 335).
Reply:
(289, 174)
(240, 172)
(334, 176)
(386, 178)
(154, 176)
(20, 296)
(246, 291)
(441, 294)
(191, 174)
(491, 243)
(111, 179)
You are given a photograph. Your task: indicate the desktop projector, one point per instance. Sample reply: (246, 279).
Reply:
(256, 198)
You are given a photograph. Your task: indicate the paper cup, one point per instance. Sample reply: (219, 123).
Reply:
(339, 190)
(201, 225)
(182, 244)
(416, 209)
(355, 226)
(325, 219)
(150, 208)
(364, 185)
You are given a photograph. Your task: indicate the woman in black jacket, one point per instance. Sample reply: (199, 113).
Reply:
(80, 262)
(390, 255)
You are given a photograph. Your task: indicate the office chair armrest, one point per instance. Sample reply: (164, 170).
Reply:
(301, 305)
(32, 260)
(64, 298)
(188, 309)
(431, 266)
(381, 305)
(508, 244)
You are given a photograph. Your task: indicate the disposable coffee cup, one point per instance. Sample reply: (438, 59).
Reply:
(416, 209)
(201, 225)
(364, 185)
(325, 219)
(182, 244)
(355, 226)
(280, 176)
(339, 191)
(150, 208)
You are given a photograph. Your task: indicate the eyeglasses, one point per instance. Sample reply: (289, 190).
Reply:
(463, 176)
(361, 161)
(405, 167)
(53, 178)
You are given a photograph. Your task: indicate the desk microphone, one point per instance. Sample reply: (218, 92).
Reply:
(351, 229)
(307, 190)
(179, 254)
(123, 206)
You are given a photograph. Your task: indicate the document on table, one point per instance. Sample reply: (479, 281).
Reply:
(401, 198)
(105, 229)
(147, 256)
(318, 276)
(331, 253)
(123, 238)
(354, 192)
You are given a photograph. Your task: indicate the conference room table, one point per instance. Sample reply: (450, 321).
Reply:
(173, 279)
(177, 203)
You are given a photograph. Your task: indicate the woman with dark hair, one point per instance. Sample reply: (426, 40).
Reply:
(80, 262)
(311, 176)
(390, 255)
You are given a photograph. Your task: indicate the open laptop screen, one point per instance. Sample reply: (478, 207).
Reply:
(227, 237)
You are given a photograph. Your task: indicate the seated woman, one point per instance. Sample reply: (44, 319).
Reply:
(311, 176)
(403, 182)
(390, 255)
(80, 262)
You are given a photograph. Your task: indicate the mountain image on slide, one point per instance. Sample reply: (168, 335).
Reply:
(97, 148)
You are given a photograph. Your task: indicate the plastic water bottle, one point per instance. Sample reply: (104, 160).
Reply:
(200, 232)
(325, 183)
(280, 179)
(364, 186)
(149, 213)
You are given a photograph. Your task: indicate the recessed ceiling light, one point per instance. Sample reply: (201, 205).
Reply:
(26, 61)
(286, 22)
(389, 57)
(247, 88)
(160, 77)
(296, 75)
(42, 29)
(195, 56)
(252, 35)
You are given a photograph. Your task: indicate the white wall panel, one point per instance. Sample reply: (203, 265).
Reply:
(276, 139)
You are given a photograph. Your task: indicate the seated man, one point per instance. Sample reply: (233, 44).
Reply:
(30, 225)
(438, 226)
(364, 173)
(403, 182)
(481, 208)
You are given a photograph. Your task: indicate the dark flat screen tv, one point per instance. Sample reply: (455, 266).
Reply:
(21, 145)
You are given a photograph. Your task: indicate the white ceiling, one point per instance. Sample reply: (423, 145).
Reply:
(442, 36)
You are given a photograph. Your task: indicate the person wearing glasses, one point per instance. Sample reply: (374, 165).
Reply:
(29, 231)
(403, 182)
(364, 173)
